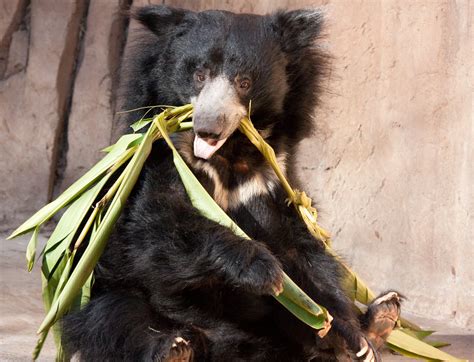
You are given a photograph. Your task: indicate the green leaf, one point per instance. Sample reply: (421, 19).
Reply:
(408, 354)
(31, 249)
(141, 123)
(438, 344)
(292, 296)
(64, 274)
(68, 225)
(86, 291)
(97, 244)
(49, 288)
(185, 126)
(129, 139)
(39, 345)
(421, 335)
(83, 297)
(53, 290)
(312, 320)
(410, 325)
(410, 346)
(50, 282)
(302, 306)
(78, 187)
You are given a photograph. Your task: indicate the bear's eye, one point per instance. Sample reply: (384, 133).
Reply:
(199, 76)
(244, 84)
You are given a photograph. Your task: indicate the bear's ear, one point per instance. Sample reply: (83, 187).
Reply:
(160, 18)
(297, 29)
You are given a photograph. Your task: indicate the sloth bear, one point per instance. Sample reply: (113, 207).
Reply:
(175, 286)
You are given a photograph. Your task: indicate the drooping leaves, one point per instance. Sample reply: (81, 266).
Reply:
(114, 157)
(91, 255)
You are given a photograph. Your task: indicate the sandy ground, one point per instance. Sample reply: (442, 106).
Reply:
(21, 311)
(21, 306)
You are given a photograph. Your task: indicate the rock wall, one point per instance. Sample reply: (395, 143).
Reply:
(390, 163)
(43, 36)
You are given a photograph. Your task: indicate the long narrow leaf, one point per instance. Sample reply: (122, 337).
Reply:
(49, 288)
(50, 293)
(68, 226)
(31, 249)
(406, 344)
(96, 245)
(78, 187)
(39, 345)
(137, 126)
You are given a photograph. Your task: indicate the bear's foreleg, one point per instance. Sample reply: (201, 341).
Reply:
(323, 270)
(320, 276)
(188, 251)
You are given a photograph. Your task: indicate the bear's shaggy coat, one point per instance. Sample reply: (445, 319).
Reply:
(173, 283)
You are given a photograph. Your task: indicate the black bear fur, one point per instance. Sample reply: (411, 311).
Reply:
(168, 271)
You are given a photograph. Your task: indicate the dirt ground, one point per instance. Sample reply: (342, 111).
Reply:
(21, 311)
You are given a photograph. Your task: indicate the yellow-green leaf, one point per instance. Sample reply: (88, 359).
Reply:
(97, 244)
(31, 249)
(406, 344)
(77, 188)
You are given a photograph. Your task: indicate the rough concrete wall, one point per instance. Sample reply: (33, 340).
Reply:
(395, 168)
(33, 102)
(390, 164)
(91, 106)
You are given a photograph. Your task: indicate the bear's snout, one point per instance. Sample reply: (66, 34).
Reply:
(211, 128)
(217, 109)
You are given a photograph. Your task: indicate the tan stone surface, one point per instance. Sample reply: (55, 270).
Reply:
(32, 107)
(145, 2)
(90, 120)
(245, 6)
(21, 306)
(394, 162)
(18, 53)
(11, 15)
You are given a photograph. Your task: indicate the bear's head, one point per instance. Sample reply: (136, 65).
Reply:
(221, 62)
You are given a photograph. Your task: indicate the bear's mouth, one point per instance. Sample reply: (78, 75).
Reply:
(217, 114)
(206, 147)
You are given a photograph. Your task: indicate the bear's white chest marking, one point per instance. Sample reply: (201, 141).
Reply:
(260, 184)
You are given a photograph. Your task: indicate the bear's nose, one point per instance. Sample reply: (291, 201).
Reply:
(208, 135)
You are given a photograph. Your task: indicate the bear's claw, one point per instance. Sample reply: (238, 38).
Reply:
(381, 317)
(180, 351)
(367, 353)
